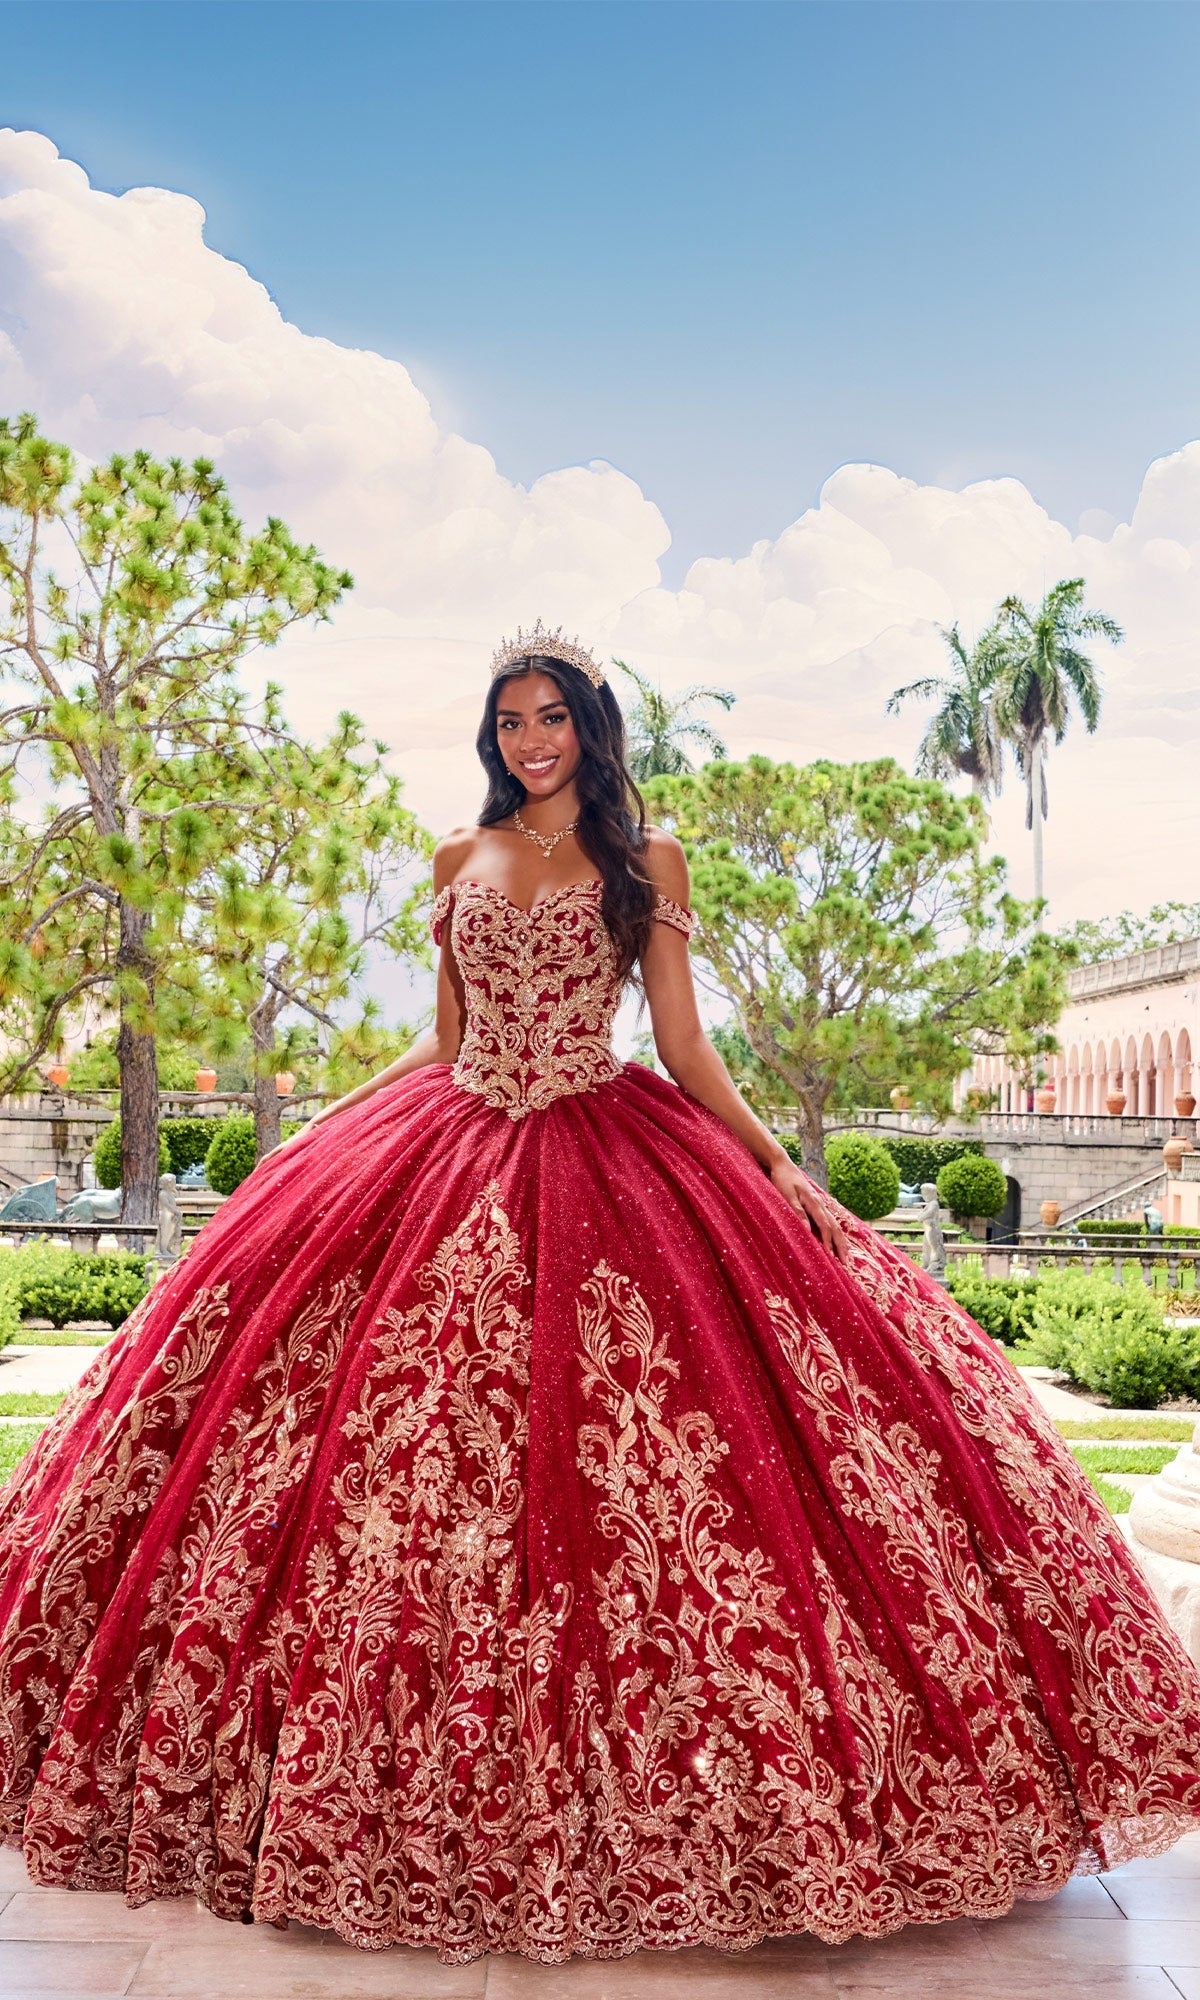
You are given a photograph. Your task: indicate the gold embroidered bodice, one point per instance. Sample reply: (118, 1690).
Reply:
(541, 990)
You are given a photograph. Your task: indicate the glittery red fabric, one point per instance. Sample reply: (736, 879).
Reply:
(515, 1533)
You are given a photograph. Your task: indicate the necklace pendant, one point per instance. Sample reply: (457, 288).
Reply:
(546, 841)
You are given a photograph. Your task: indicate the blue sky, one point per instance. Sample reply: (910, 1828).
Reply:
(726, 247)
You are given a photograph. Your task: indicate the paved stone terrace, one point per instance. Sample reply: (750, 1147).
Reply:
(1133, 1933)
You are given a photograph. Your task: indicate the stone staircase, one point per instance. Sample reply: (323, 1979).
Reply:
(1117, 1202)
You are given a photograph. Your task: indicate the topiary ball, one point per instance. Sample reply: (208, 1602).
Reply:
(864, 1178)
(972, 1186)
(230, 1157)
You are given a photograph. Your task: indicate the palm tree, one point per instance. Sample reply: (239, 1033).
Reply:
(1039, 672)
(961, 738)
(660, 724)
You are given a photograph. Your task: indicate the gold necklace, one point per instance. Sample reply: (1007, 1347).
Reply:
(546, 841)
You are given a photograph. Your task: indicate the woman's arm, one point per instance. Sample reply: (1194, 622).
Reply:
(438, 1044)
(690, 1058)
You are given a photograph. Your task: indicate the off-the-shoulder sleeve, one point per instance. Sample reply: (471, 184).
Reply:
(443, 903)
(667, 912)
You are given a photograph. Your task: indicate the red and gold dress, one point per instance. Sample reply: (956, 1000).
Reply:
(509, 1530)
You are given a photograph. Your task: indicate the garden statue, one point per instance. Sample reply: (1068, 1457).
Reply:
(36, 1203)
(933, 1253)
(170, 1221)
(1154, 1221)
(93, 1205)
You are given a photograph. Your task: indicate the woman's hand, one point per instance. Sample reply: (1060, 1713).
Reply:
(800, 1194)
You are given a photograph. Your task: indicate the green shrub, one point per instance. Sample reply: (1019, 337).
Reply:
(106, 1155)
(10, 1311)
(1003, 1307)
(972, 1186)
(1111, 1338)
(230, 1155)
(923, 1159)
(188, 1141)
(862, 1176)
(61, 1285)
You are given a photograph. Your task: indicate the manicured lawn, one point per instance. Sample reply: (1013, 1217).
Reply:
(15, 1440)
(36, 1403)
(1125, 1429)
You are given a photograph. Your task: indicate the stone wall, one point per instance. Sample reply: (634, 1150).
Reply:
(39, 1135)
(1066, 1173)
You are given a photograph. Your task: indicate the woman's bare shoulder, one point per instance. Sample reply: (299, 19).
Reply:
(666, 864)
(453, 853)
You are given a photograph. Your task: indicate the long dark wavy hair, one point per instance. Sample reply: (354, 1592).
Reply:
(612, 815)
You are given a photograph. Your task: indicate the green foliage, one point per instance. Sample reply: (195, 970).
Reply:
(961, 738)
(658, 726)
(61, 1285)
(34, 1403)
(10, 1310)
(862, 1176)
(96, 1067)
(850, 915)
(972, 1186)
(1112, 937)
(1148, 1458)
(921, 1160)
(1118, 1499)
(762, 1089)
(15, 1441)
(121, 705)
(187, 1142)
(106, 1155)
(231, 1154)
(1122, 1429)
(1112, 1338)
(1003, 1307)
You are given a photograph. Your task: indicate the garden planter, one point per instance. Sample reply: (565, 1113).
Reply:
(1051, 1210)
(1044, 1098)
(285, 1083)
(206, 1079)
(1185, 1104)
(900, 1098)
(56, 1075)
(1114, 1103)
(1173, 1153)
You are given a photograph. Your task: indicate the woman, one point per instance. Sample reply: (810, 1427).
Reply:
(534, 1518)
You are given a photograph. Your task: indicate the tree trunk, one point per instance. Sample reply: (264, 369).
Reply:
(137, 1059)
(1037, 785)
(268, 1106)
(812, 1135)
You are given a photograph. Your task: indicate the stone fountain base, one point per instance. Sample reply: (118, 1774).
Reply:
(1163, 1530)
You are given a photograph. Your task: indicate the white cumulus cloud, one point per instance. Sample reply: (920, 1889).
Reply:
(121, 326)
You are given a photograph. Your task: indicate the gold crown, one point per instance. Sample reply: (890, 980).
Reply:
(552, 646)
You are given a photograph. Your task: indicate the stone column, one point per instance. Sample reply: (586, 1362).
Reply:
(1163, 1529)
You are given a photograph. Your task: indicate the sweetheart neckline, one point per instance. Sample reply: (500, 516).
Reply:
(472, 882)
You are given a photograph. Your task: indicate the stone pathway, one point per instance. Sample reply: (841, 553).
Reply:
(1135, 1933)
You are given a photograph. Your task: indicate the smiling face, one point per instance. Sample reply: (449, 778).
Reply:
(536, 735)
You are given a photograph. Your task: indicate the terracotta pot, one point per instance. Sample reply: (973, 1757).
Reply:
(1173, 1153)
(1044, 1098)
(285, 1083)
(1114, 1103)
(1051, 1210)
(206, 1079)
(900, 1098)
(1185, 1104)
(56, 1075)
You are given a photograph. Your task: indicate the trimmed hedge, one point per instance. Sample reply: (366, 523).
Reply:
(1003, 1307)
(1112, 1338)
(923, 1159)
(47, 1282)
(230, 1156)
(972, 1186)
(862, 1176)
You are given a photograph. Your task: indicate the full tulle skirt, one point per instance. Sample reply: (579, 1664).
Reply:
(519, 1535)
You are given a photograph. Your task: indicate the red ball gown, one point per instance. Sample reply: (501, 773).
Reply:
(509, 1530)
